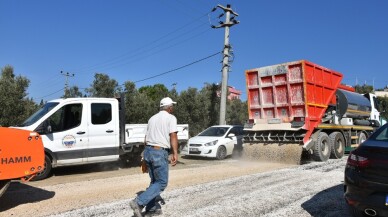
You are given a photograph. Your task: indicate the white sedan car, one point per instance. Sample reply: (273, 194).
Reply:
(215, 142)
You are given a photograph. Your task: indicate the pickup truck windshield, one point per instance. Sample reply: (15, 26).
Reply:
(40, 113)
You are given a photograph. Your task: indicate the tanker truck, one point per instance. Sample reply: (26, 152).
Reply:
(21, 156)
(300, 108)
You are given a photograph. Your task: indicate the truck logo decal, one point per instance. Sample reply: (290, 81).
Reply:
(13, 160)
(69, 141)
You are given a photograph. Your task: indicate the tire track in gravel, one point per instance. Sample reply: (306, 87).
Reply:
(254, 196)
(313, 189)
(74, 192)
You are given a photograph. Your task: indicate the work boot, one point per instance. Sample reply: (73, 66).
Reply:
(136, 208)
(155, 212)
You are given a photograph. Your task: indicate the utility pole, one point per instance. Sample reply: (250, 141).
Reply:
(67, 75)
(229, 21)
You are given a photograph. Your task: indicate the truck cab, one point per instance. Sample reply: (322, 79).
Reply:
(374, 114)
(77, 131)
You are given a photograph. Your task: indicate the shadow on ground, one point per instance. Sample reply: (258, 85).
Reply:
(97, 167)
(329, 202)
(19, 193)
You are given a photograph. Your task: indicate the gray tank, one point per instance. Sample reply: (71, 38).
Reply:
(352, 105)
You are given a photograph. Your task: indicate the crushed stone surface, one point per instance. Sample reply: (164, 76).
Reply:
(232, 188)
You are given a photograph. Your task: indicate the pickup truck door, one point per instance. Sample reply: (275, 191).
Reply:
(103, 132)
(67, 138)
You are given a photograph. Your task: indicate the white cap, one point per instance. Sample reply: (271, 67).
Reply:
(166, 101)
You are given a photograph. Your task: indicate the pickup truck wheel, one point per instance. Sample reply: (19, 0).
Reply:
(46, 170)
(322, 147)
(3, 186)
(221, 153)
(337, 145)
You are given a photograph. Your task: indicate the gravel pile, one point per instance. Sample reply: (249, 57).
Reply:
(285, 153)
(313, 189)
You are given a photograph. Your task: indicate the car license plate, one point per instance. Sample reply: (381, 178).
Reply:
(386, 200)
(193, 149)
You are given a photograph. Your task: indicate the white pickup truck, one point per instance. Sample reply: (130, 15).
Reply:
(79, 131)
(135, 133)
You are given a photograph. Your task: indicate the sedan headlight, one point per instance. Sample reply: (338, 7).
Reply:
(211, 143)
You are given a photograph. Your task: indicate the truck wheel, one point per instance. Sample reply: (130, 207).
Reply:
(337, 142)
(322, 147)
(361, 138)
(46, 170)
(3, 186)
(221, 153)
(181, 146)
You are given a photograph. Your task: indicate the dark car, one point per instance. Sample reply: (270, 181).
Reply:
(366, 176)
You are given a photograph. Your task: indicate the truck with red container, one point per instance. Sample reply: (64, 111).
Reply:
(301, 107)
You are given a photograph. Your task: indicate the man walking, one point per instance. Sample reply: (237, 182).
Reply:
(161, 137)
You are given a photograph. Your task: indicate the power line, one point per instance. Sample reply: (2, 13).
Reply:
(125, 55)
(50, 94)
(185, 6)
(112, 62)
(156, 52)
(160, 74)
(181, 67)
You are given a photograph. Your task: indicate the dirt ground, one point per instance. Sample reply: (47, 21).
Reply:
(72, 188)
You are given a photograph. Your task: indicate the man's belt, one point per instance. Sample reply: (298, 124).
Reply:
(158, 147)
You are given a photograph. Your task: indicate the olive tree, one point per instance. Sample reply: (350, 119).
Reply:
(103, 86)
(15, 105)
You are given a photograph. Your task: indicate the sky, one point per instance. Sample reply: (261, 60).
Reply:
(171, 42)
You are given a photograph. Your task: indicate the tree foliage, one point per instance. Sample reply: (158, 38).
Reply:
(236, 112)
(139, 106)
(190, 109)
(103, 86)
(383, 107)
(198, 108)
(72, 92)
(364, 88)
(15, 106)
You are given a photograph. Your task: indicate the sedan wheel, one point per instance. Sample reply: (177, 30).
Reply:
(221, 153)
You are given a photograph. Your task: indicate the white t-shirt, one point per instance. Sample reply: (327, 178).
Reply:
(159, 128)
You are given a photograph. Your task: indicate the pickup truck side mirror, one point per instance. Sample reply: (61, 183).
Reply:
(49, 129)
(44, 128)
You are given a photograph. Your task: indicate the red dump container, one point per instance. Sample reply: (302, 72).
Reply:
(299, 90)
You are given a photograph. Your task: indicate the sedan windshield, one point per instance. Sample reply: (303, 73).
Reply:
(214, 131)
(40, 113)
